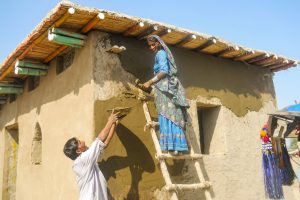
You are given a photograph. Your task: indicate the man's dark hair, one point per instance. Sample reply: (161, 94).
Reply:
(70, 148)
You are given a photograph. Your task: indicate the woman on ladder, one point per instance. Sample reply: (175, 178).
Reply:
(170, 100)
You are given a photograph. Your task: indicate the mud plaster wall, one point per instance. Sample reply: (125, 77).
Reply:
(240, 88)
(128, 163)
(243, 93)
(63, 106)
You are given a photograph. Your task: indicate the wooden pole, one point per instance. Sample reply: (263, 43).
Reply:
(85, 29)
(163, 165)
(283, 63)
(55, 53)
(22, 63)
(293, 64)
(164, 32)
(257, 58)
(10, 90)
(30, 71)
(10, 69)
(92, 23)
(11, 85)
(244, 55)
(147, 32)
(209, 42)
(227, 50)
(267, 60)
(186, 40)
(6, 72)
(64, 40)
(70, 11)
(133, 28)
(62, 32)
(276, 62)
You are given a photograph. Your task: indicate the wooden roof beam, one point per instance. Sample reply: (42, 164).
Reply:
(133, 28)
(243, 55)
(85, 29)
(266, 60)
(92, 22)
(208, 43)
(281, 64)
(278, 61)
(164, 32)
(55, 53)
(10, 69)
(147, 32)
(70, 11)
(257, 58)
(186, 40)
(227, 50)
(291, 64)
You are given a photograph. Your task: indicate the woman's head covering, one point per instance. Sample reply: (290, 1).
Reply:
(167, 50)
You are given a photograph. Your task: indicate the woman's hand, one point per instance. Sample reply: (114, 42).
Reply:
(148, 84)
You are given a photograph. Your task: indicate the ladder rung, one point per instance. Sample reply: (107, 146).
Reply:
(178, 157)
(152, 124)
(194, 186)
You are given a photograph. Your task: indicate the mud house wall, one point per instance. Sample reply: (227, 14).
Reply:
(62, 105)
(242, 94)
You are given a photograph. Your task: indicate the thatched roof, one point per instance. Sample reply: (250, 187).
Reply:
(37, 47)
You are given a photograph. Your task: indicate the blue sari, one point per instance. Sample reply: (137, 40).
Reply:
(170, 103)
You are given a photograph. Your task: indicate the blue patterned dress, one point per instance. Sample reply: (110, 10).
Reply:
(171, 106)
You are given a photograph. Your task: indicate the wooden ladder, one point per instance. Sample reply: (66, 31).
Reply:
(171, 187)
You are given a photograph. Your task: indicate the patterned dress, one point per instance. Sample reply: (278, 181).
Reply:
(171, 106)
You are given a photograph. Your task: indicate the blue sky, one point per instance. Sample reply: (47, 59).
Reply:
(259, 24)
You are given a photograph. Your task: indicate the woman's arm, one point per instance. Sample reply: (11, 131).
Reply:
(155, 79)
(163, 68)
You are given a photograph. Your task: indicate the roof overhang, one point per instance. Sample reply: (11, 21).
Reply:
(37, 47)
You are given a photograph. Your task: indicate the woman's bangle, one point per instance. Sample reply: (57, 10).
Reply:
(154, 79)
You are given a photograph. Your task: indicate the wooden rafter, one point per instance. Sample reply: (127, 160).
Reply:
(292, 64)
(227, 50)
(164, 32)
(10, 69)
(257, 58)
(282, 64)
(186, 40)
(278, 61)
(206, 44)
(243, 55)
(133, 28)
(70, 11)
(266, 60)
(55, 53)
(92, 23)
(85, 29)
(148, 32)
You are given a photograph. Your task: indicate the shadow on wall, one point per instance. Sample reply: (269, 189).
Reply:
(138, 160)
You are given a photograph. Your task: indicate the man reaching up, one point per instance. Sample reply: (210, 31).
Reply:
(90, 179)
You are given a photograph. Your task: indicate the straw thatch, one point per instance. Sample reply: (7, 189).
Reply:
(37, 47)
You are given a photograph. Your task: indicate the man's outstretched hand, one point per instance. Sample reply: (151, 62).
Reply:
(114, 117)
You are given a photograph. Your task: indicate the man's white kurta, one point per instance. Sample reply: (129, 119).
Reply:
(90, 179)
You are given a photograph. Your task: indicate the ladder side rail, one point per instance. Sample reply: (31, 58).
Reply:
(163, 165)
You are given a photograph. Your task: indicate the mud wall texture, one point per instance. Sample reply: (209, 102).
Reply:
(240, 96)
(62, 105)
